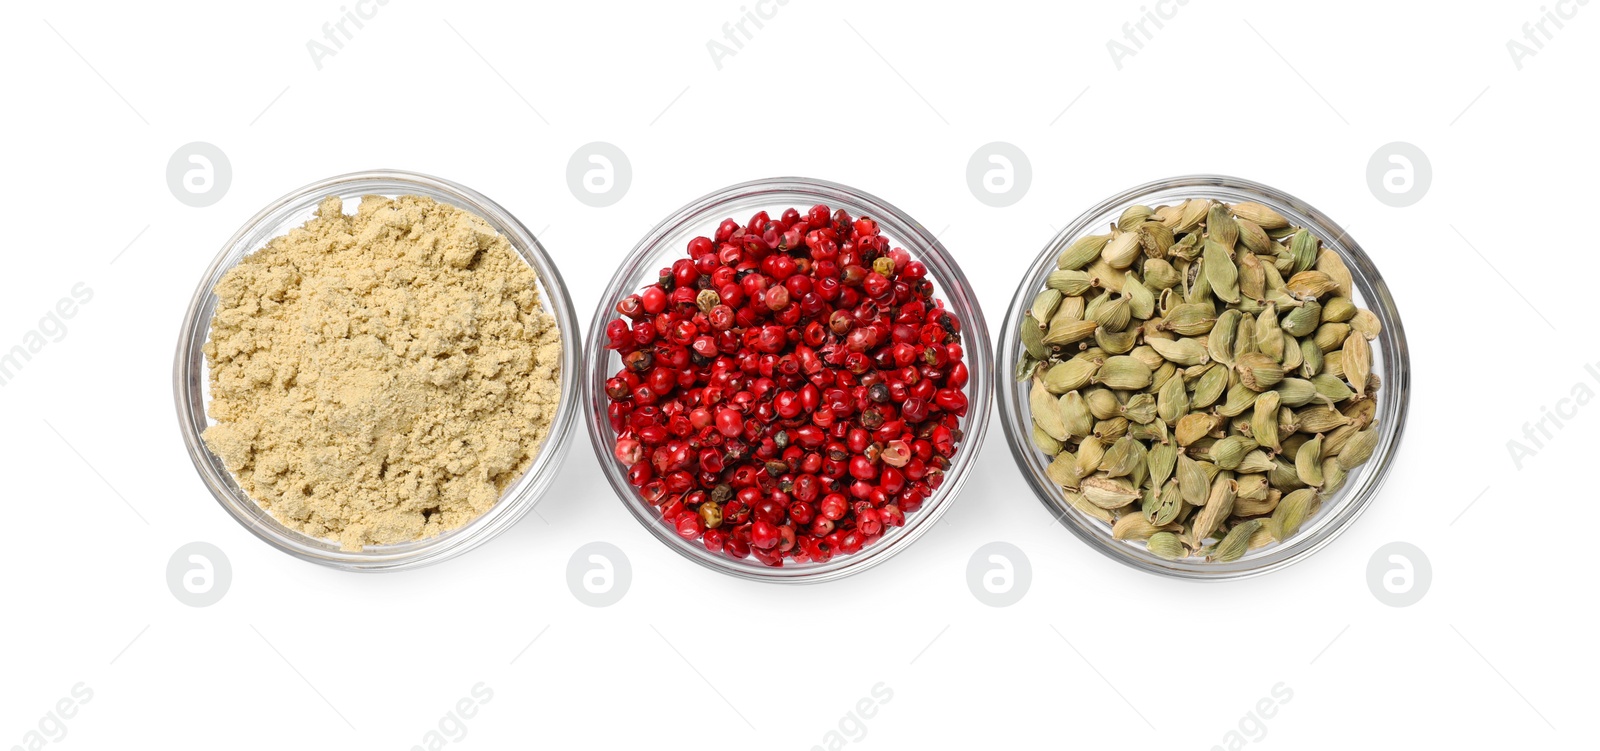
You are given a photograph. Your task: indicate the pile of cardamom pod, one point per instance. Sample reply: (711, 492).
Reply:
(1201, 377)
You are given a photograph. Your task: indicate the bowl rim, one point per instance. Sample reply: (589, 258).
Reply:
(274, 220)
(907, 233)
(1352, 500)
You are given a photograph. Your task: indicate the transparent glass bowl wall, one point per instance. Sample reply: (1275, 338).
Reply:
(1390, 361)
(191, 384)
(667, 242)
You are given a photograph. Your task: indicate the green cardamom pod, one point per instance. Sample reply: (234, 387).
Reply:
(1358, 449)
(1044, 441)
(1046, 411)
(1063, 471)
(1163, 459)
(1258, 372)
(1260, 215)
(1033, 338)
(1062, 333)
(1075, 415)
(1357, 362)
(1069, 282)
(1090, 453)
(1072, 374)
(1108, 492)
(1303, 320)
(1159, 274)
(1192, 427)
(1166, 546)
(1172, 401)
(1292, 512)
(1220, 226)
(1303, 249)
(1220, 271)
(1308, 462)
(1141, 408)
(1102, 403)
(1124, 373)
(1219, 344)
(1077, 501)
(1122, 250)
(1192, 481)
(1082, 252)
(1141, 301)
(1045, 304)
(1209, 387)
(1217, 509)
(1233, 546)
(1264, 423)
(1190, 319)
(1338, 309)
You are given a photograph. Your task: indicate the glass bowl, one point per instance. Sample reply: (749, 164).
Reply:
(666, 242)
(1390, 361)
(191, 382)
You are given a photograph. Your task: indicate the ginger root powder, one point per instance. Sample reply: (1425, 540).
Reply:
(381, 377)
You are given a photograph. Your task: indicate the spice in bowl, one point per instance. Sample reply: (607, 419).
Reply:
(1201, 377)
(381, 377)
(790, 390)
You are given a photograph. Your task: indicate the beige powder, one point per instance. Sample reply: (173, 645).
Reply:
(381, 377)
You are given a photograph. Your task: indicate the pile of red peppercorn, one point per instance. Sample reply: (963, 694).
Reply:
(790, 390)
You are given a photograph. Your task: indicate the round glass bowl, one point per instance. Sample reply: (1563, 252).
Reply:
(1390, 362)
(191, 383)
(667, 242)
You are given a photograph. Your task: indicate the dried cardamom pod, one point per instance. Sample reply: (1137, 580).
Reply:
(1046, 411)
(1133, 216)
(1357, 362)
(1159, 274)
(1259, 372)
(1358, 449)
(1062, 332)
(1206, 363)
(1218, 507)
(1303, 249)
(1192, 427)
(1122, 251)
(1186, 351)
(1082, 252)
(1172, 401)
(1219, 344)
(1264, 423)
(1108, 492)
(1123, 373)
(1308, 462)
(1259, 215)
(1293, 511)
(1075, 415)
(1190, 319)
(1166, 545)
(1067, 282)
(1233, 546)
(1221, 273)
(1072, 374)
(1208, 388)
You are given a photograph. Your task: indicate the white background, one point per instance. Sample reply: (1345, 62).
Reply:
(1499, 651)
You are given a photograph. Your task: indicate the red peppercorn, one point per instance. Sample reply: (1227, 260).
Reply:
(790, 388)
